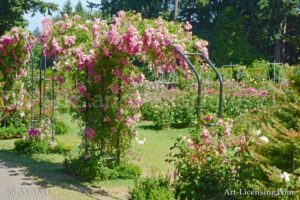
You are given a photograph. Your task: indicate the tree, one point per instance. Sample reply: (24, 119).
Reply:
(12, 13)
(149, 9)
(67, 8)
(231, 45)
(79, 8)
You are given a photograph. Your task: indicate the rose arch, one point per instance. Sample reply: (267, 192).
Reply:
(102, 58)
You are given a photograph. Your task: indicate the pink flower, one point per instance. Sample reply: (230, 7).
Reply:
(106, 52)
(136, 118)
(128, 121)
(251, 90)
(69, 40)
(60, 80)
(187, 26)
(115, 89)
(90, 133)
(117, 73)
(205, 133)
(222, 148)
(104, 107)
(97, 78)
(220, 122)
(121, 111)
(33, 132)
(106, 119)
(208, 118)
(113, 129)
(81, 89)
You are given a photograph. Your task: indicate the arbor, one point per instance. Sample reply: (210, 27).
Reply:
(12, 13)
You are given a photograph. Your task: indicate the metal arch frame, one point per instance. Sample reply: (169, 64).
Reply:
(199, 80)
(42, 91)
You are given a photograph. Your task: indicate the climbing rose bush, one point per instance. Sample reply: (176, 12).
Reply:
(103, 58)
(210, 160)
(15, 47)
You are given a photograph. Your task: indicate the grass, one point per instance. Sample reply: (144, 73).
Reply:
(48, 171)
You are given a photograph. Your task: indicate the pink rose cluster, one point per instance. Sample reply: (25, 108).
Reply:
(34, 132)
(90, 133)
(12, 59)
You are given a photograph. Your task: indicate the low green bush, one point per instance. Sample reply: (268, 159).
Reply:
(38, 145)
(97, 168)
(12, 132)
(60, 128)
(152, 188)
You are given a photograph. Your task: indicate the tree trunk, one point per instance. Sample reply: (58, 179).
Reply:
(175, 9)
(278, 51)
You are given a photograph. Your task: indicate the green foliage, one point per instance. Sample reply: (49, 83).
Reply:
(152, 188)
(12, 132)
(31, 146)
(231, 45)
(37, 145)
(162, 116)
(96, 168)
(12, 13)
(239, 73)
(180, 113)
(60, 128)
(149, 9)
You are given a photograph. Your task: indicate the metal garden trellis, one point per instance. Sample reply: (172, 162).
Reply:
(199, 80)
(42, 82)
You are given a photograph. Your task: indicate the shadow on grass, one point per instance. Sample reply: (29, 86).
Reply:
(49, 174)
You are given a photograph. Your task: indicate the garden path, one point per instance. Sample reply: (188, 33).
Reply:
(15, 185)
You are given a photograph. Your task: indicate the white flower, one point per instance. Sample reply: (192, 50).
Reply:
(264, 138)
(22, 114)
(140, 141)
(258, 132)
(285, 176)
(53, 144)
(189, 141)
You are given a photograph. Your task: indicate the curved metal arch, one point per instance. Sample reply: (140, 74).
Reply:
(199, 80)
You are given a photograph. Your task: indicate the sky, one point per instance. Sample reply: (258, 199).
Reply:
(36, 20)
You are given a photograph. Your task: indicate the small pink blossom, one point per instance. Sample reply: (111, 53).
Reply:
(128, 121)
(115, 89)
(205, 133)
(81, 89)
(106, 52)
(113, 129)
(187, 26)
(90, 133)
(33, 132)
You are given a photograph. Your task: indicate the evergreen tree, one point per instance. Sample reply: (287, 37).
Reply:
(79, 8)
(67, 8)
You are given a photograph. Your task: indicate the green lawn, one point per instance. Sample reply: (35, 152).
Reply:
(48, 170)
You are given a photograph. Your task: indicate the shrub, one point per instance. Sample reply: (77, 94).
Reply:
(162, 116)
(184, 111)
(97, 168)
(38, 145)
(239, 73)
(30, 146)
(147, 111)
(60, 128)
(211, 161)
(12, 132)
(152, 188)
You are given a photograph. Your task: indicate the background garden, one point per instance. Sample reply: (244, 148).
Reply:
(100, 105)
